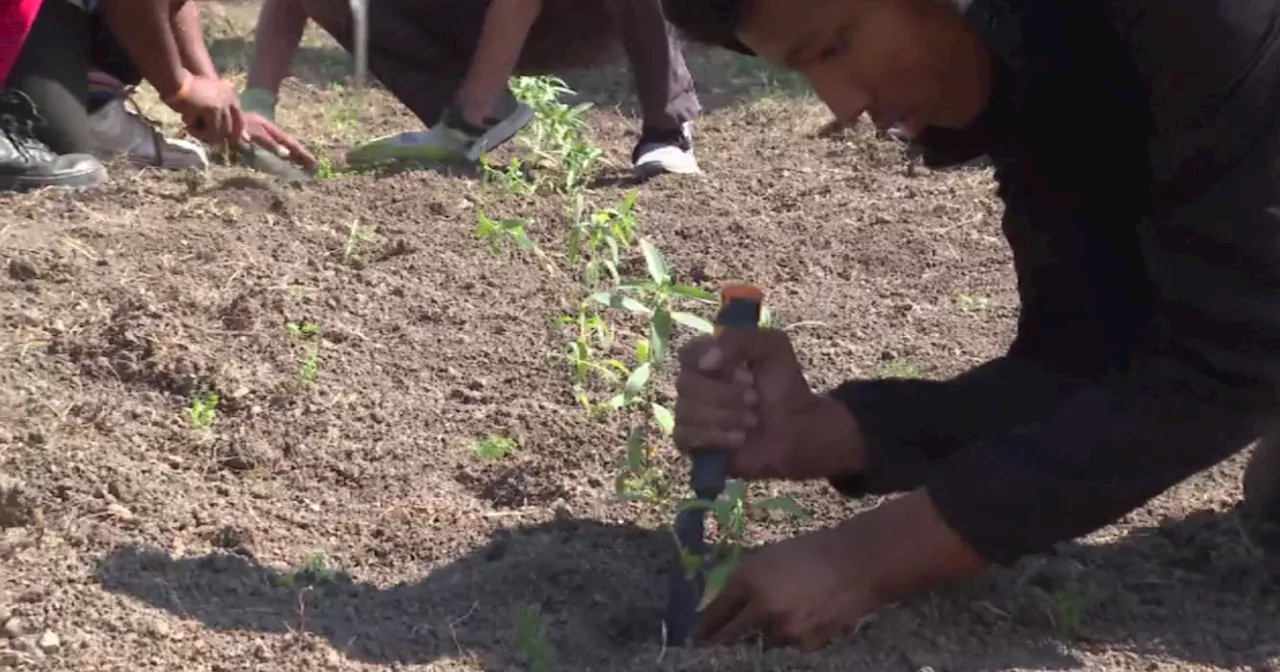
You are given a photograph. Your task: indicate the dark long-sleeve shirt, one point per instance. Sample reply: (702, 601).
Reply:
(1137, 151)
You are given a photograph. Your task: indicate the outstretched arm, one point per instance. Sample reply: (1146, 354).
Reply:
(276, 39)
(145, 30)
(506, 26)
(190, 38)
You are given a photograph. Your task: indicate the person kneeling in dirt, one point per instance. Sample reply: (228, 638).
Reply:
(448, 61)
(1148, 341)
(73, 105)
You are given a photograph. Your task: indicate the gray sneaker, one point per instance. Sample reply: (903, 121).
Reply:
(119, 132)
(26, 163)
(450, 141)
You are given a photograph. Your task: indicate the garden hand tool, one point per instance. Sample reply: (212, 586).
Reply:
(739, 308)
(360, 15)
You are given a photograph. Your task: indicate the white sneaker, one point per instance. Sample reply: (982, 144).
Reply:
(660, 151)
(117, 132)
(446, 143)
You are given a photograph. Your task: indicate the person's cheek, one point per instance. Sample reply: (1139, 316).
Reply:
(846, 99)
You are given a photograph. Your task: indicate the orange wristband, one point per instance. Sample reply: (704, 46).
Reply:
(181, 94)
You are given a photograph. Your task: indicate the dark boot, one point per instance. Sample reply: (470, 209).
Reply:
(26, 163)
(1262, 481)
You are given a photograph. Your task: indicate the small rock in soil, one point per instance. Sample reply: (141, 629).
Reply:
(160, 629)
(49, 642)
(13, 627)
(23, 270)
(15, 506)
(118, 512)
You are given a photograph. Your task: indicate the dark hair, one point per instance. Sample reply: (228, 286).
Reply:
(710, 22)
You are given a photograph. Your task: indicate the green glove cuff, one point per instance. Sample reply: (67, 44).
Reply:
(259, 101)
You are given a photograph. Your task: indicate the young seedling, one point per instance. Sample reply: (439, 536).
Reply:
(308, 366)
(898, 368)
(314, 572)
(531, 639)
(515, 177)
(495, 447)
(558, 136)
(201, 412)
(357, 238)
(966, 303)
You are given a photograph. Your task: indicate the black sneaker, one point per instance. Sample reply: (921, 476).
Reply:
(26, 163)
(664, 151)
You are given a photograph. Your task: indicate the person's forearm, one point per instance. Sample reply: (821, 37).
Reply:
(189, 35)
(506, 25)
(276, 39)
(144, 28)
(909, 426)
(1102, 453)
(905, 547)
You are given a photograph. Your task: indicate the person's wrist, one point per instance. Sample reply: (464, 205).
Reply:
(260, 102)
(904, 547)
(833, 438)
(177, 95)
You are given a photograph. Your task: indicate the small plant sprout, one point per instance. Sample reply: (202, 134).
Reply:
(493, 232)
(1066, 610)
(358, 237)
(531, 639)
(202, 411)
(558, 136)
(495, 447)
(597, 242)
(309, 364)
(898, 368)
(966, 303)
(325, 169)
(315, 571)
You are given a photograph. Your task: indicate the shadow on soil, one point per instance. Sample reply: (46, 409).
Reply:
(1193, 589)
(598, 587)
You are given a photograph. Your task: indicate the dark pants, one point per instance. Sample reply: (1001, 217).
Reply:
(52, 70)
(421, 49)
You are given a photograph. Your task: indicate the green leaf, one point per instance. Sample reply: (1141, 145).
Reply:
(620, 302)
(657, 265)
(637, 381)
(659, 335)
(665, 418)
(642, 350)
(716, 578)
(691, 292)
(622, 368)
(693, 322)
(783, 504)
(766, 318)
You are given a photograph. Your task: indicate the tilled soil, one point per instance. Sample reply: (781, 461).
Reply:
(134, 542)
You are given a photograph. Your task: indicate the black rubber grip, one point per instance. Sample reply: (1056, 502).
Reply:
(707, 477)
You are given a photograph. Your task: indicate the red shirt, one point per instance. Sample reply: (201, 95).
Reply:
(16, 17)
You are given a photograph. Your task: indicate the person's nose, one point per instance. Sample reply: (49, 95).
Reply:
(846, 100)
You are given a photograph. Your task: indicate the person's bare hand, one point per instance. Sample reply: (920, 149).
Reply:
(744, 392)
(211, 111)
(809, 590)
(802, 592)
(263, 132)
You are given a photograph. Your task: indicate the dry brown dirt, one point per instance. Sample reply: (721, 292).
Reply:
(143, 545)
